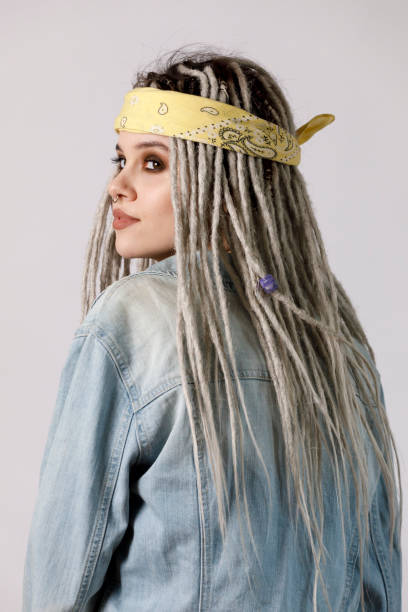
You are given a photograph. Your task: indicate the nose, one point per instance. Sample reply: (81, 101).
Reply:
(120, 186)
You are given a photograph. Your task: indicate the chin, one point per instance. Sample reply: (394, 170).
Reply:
(127, 252)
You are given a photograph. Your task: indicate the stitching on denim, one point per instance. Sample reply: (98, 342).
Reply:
(379, 553)
(204, 528)
(133, 403)
(351, 566)
(150, 396)
(97, 538)
(138, 399)
(108, 486)
(171, 383)
(115, 353)
(111, 354)
(229, 285)
(144, 440)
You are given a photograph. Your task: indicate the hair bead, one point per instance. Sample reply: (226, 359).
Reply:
(268, 283)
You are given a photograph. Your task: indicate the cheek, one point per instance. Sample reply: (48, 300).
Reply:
(157, 206)
(163, 201)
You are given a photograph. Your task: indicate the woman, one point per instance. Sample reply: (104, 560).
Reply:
(228, 375)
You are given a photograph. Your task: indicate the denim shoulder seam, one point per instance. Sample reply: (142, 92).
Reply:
(229, 285)
(115, 286)
(163, 273)
(139, 400)
(120, 373)
(112, 348)
(118, 283)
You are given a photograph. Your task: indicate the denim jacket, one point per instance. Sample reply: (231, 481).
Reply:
(116, 523)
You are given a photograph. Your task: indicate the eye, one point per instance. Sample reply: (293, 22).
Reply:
(154, 160)
(118, 162)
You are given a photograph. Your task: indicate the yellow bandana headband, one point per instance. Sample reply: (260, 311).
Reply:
(172, 113)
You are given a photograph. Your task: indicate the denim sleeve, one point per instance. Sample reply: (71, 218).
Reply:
(383, 577)
(81, 511)
(382, 572)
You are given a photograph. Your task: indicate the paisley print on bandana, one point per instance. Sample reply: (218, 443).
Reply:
(172, 113)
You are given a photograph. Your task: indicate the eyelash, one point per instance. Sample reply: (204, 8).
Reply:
(117, 160)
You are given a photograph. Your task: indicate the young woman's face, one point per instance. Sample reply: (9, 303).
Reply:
(143, 190)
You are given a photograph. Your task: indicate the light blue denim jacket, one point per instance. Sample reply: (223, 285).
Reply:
(116, 524)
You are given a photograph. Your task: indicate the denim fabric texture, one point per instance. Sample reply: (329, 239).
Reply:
(116, 523)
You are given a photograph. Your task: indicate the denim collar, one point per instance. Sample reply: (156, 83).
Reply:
(169, 266)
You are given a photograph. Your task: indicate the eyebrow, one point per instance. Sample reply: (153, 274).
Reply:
(146, 143)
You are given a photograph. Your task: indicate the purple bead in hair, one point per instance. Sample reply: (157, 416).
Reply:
(268, 283)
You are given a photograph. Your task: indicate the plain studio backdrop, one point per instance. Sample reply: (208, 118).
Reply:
(65, 67)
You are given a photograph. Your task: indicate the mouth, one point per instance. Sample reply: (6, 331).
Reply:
(120, 222)
(118, 214)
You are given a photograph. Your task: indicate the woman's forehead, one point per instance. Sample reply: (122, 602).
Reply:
(135, 138)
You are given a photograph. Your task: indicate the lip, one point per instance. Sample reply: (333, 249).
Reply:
(118, 212)
(122, 222)
(121, 219)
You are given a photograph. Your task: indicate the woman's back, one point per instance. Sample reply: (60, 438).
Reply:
(131, 536)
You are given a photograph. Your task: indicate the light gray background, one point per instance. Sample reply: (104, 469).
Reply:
(65, 67)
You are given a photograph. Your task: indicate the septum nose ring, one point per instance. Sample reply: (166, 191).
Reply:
(115, 199)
